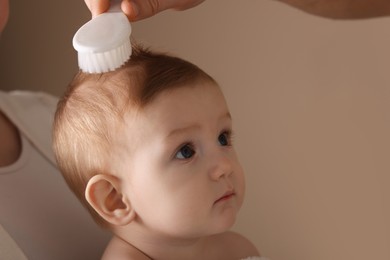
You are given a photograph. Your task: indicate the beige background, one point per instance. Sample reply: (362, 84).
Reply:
(310, 101)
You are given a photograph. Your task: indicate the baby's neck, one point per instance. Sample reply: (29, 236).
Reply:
(137, 246)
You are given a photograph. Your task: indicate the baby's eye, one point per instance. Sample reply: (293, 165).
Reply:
(224, 139)
(185, 152)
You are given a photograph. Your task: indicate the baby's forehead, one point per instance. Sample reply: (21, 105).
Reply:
(175, 100)
(171, 110)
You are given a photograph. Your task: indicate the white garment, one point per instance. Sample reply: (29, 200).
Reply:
(9, 250)
(37, 208)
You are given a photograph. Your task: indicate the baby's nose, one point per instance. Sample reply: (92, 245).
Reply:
(222, 166)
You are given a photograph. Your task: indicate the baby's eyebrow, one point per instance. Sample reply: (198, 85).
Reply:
(193, 127)
(182, 130)
(228, 115)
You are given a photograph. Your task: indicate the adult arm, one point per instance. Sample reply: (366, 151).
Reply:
(10, 147)
(343, 9)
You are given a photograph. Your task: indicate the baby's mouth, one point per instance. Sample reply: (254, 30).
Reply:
(228, 195)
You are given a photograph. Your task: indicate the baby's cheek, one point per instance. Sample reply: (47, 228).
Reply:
(240, 183)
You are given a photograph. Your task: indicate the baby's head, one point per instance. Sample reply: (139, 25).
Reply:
(149, 145)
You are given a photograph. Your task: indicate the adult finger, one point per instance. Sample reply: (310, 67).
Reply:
(141, 9)
(97, 6)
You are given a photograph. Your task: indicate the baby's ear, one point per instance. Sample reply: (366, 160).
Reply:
(104, 195)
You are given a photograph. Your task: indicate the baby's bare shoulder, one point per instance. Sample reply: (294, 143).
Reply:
(233, 245)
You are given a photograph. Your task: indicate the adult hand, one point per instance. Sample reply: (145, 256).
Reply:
(4, 5)
(141, 9)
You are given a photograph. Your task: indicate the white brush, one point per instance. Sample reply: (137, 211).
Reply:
(103, 43)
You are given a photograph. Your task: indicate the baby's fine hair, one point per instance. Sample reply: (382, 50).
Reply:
(90, 115)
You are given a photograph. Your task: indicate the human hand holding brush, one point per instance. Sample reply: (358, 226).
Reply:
(337, 9)
(140, 9)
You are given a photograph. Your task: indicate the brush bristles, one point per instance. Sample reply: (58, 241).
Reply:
(104, 61)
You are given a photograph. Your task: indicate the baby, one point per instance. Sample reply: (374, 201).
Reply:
(148, 150)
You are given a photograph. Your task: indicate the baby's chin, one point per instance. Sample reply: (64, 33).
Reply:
(227, 219)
